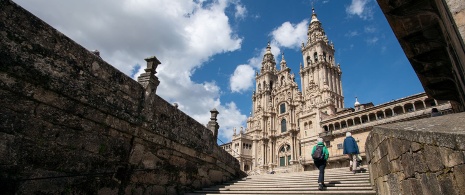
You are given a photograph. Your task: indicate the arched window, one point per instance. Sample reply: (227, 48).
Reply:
(315, 56)
(282, 108)
(283, 126)
(324, 56)
(259, 87)
(309, 61)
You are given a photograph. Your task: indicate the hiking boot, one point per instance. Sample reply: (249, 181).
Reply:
(320, 186)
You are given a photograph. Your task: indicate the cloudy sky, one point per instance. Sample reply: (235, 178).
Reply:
(210, 49)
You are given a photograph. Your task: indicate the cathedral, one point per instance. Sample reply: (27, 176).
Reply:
(285, 121)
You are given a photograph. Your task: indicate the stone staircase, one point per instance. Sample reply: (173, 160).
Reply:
(338, 181)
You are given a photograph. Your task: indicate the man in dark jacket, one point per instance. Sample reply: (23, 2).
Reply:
(321, 164)
(351, 149)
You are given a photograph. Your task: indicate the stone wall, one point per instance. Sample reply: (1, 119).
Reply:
(425, 156)
(457, 10)
(72, 123)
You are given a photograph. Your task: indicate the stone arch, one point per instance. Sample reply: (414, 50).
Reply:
(357, 120)
(371, 116)
(379, 114)
(419, 105)
(350, 122)
(364, 119)
(408, 107)
(343, 124)
(429, 102)
(326, 128)
(284, 154)
(397, 110)
(388, 112)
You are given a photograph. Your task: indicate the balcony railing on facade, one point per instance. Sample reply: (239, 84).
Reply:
(421, 113)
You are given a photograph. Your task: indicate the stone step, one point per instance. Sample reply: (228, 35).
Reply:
(301, 178)
(338, 181)
(313, 191)
(365, 184)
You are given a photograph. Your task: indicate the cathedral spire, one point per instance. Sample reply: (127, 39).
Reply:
(314, 18)
(283, 62)
(268, 62)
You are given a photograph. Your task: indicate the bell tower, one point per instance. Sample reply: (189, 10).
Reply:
(320, 76)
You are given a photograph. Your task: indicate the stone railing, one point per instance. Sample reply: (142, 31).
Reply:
(424, 156)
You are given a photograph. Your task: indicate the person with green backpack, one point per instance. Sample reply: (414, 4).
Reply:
(320, 155)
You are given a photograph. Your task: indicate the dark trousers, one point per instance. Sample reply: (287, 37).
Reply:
(321, 165)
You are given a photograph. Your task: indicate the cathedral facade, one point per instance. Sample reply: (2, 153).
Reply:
(285, 121)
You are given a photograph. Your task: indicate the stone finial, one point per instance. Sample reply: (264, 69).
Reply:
(96, 52)
(214, 114)
(152, 63)
(148, 79)
(212, 124)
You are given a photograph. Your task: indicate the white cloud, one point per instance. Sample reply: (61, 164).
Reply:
(287, 35)
(241, 11)
(372, 40)
(370, 29)
(228, 117)
(181, 34)
(242, 78)
(291, 35)
(352, 33)
(361, 9)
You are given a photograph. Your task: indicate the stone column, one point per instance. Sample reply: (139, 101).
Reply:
(213, 125)
(148, 79)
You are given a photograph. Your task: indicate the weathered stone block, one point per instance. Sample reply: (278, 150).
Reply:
(411, 186)
(408, 165)
(395, 148)
(215, 176)
(383, 167)
(446, 184)
(450, 157)
(433, 158)
(459, 177)
(8, 149)
(429, 184)
(419, 162)
(393, 184)
(415, 146)
(395, 166)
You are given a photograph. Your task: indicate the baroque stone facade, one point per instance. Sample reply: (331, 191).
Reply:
(285, 122)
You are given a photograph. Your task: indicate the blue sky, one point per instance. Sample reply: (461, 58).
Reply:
(210, 49)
